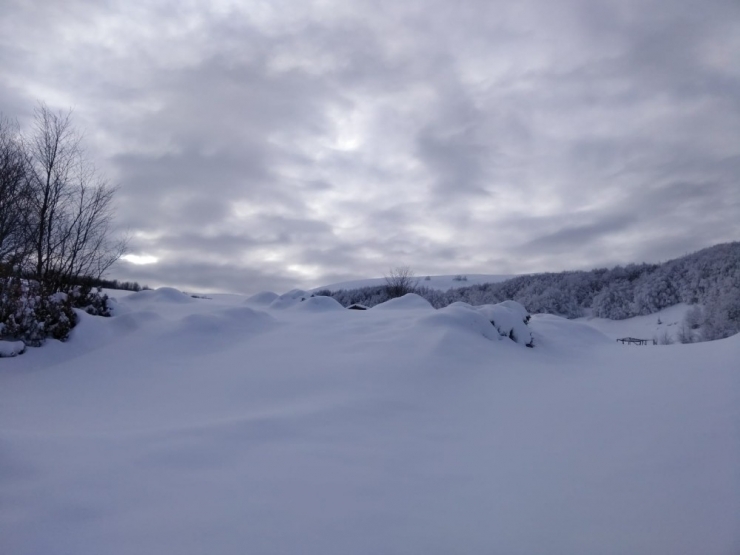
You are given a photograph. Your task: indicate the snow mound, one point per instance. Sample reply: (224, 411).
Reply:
(163, 295)
(129, 322)
(11, 348)
(461, 304)
(92, 332)
(264, 298)
(516, 307)
(228, 320)
(564, 334)
(510, 320)
(410, 301)
(408, 425)
(319, 304)
(462, 319)
(289, 299)
(732, 340)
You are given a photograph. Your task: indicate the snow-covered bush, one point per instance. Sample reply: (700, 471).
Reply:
(91, 300)
(510, 320)
(31, 314)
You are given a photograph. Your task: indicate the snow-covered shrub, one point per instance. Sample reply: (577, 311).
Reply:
(510, 320)
(91, 299)
(30, 314)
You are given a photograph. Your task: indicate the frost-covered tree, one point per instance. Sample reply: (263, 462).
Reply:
(722, 315)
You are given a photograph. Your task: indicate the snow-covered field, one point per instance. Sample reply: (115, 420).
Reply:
(275, 426)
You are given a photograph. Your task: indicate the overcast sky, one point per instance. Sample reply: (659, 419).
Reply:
(289, 143)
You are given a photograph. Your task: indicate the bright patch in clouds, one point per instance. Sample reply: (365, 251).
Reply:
(140, 259)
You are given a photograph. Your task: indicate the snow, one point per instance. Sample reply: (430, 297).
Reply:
(319, 304)
(263, 298)
(161, 295)
(410, 301)
(289, 299)
(11, 348)
(285, 426)
(510, 319)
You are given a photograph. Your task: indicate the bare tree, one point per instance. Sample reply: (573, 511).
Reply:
(13, 195)
(70, 222)
(400, 281)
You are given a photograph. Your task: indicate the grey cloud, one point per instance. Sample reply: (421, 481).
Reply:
(205, 277)
(348, 137)
(571, 237)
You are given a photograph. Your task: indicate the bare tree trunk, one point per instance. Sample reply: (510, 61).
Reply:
(71, 205)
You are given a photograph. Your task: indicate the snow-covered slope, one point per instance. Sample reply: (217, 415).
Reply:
(665, 323)
(442, 283)
(221, 426)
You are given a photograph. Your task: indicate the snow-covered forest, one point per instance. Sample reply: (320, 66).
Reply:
(709, 279)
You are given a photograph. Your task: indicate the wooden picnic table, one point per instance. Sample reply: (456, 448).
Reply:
(633, 341)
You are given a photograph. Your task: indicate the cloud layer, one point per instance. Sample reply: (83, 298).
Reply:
(268, 145)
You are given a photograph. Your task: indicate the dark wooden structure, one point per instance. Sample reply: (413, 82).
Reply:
(634, 341)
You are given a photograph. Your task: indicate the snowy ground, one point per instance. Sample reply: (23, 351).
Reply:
(191, 426)
(653, 326)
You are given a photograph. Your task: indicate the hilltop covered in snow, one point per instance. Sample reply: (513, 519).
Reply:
(438, 283)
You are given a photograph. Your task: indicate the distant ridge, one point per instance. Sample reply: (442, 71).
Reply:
(441, 283)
